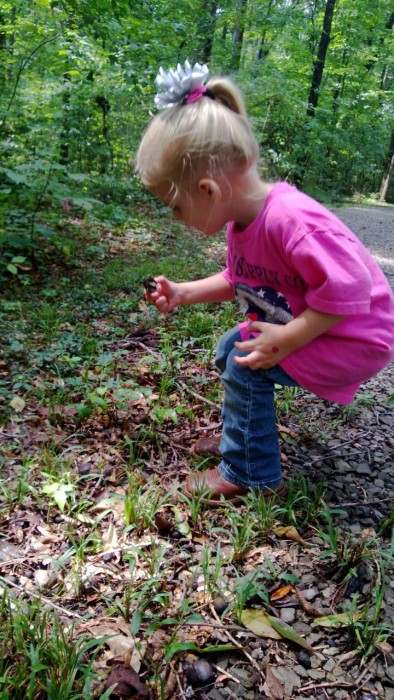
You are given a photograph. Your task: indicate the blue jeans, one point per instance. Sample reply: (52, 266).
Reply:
(250, 442)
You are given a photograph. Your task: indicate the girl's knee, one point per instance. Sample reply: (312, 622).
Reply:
(225, 347)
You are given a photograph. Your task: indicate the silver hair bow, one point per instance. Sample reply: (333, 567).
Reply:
(177, 84)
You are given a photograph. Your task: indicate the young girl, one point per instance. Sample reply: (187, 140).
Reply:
(320, 310)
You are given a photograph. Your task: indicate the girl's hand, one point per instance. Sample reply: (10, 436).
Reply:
(267, 349)
(166, 296)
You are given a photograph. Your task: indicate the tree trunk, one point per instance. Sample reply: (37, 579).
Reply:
(238, 34)
(313, 99)
(386, 70)
(388, 173)
(320, 58)
(64, 151)
(389, 167)
(3, 49)
(262, 49)
(206, 30)
(3, 36)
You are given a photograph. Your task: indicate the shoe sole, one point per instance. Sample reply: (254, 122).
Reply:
(279, 491)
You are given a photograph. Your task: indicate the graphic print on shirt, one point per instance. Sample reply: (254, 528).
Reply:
(262, 304)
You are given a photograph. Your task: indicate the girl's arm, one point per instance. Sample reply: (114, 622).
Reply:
(276, 342)
(169, 295)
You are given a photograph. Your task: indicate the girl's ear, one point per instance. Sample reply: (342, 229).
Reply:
(211, 188)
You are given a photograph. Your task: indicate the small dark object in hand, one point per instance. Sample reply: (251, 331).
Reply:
(150, 284)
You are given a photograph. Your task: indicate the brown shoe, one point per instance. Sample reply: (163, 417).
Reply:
(214, 485)
(207, 446)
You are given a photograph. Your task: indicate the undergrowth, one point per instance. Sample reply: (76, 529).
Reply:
(101, 400)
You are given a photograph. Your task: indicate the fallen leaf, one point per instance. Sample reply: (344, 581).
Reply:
(340, 620)
(272, 686)
(42, 577)
(286, 431)
(181, 523)
(9, 551)
(110, 539)
(281, 592)
(126, 683)
(289, 532)
(163, 524)
(258, 622)
(18, 404)
(385, 648)
(119, 642)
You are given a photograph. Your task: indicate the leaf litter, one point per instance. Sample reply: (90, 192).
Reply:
(106, 540)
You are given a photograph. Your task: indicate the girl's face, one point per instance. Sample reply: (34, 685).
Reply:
(203, 210)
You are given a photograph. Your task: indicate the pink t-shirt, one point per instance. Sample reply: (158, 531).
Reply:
(295, 255)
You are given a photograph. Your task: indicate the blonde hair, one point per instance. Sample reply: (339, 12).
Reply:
(207, 137)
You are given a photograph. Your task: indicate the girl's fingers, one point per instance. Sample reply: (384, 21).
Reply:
(249, 361)
(245, 345)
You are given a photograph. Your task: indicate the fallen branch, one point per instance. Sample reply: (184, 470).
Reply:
(339, 684)
(198, 396)
(42, 599)
(362, 504)
(234, 641)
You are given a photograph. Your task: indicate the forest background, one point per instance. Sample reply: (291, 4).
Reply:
(77, 86)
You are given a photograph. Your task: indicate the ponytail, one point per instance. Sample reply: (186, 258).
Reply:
(209, 137)
(227, 93)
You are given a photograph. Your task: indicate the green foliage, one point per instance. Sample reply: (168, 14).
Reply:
(76, 93)
(39, 657)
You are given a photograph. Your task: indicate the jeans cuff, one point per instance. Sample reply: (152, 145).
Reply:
(227, 471)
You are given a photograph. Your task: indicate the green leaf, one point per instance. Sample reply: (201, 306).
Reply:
(11, 268)
(265, 625)
(136, 621)
(78, 177)
(288, 632)
(181, 522)
(17, 178)
(59, 492)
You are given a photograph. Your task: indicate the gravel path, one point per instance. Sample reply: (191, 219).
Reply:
(375, 227)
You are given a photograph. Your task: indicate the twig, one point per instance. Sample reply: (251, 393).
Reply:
(42, 599)
(226, 673)
(347, 442)
(338, 684)
(337, 447)
(209, 427)
(235, 628)
(362, 504)
(182, 694)
(234, 641)
(21, 560)
(329, 456)
(198, 396)
(144, 347)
